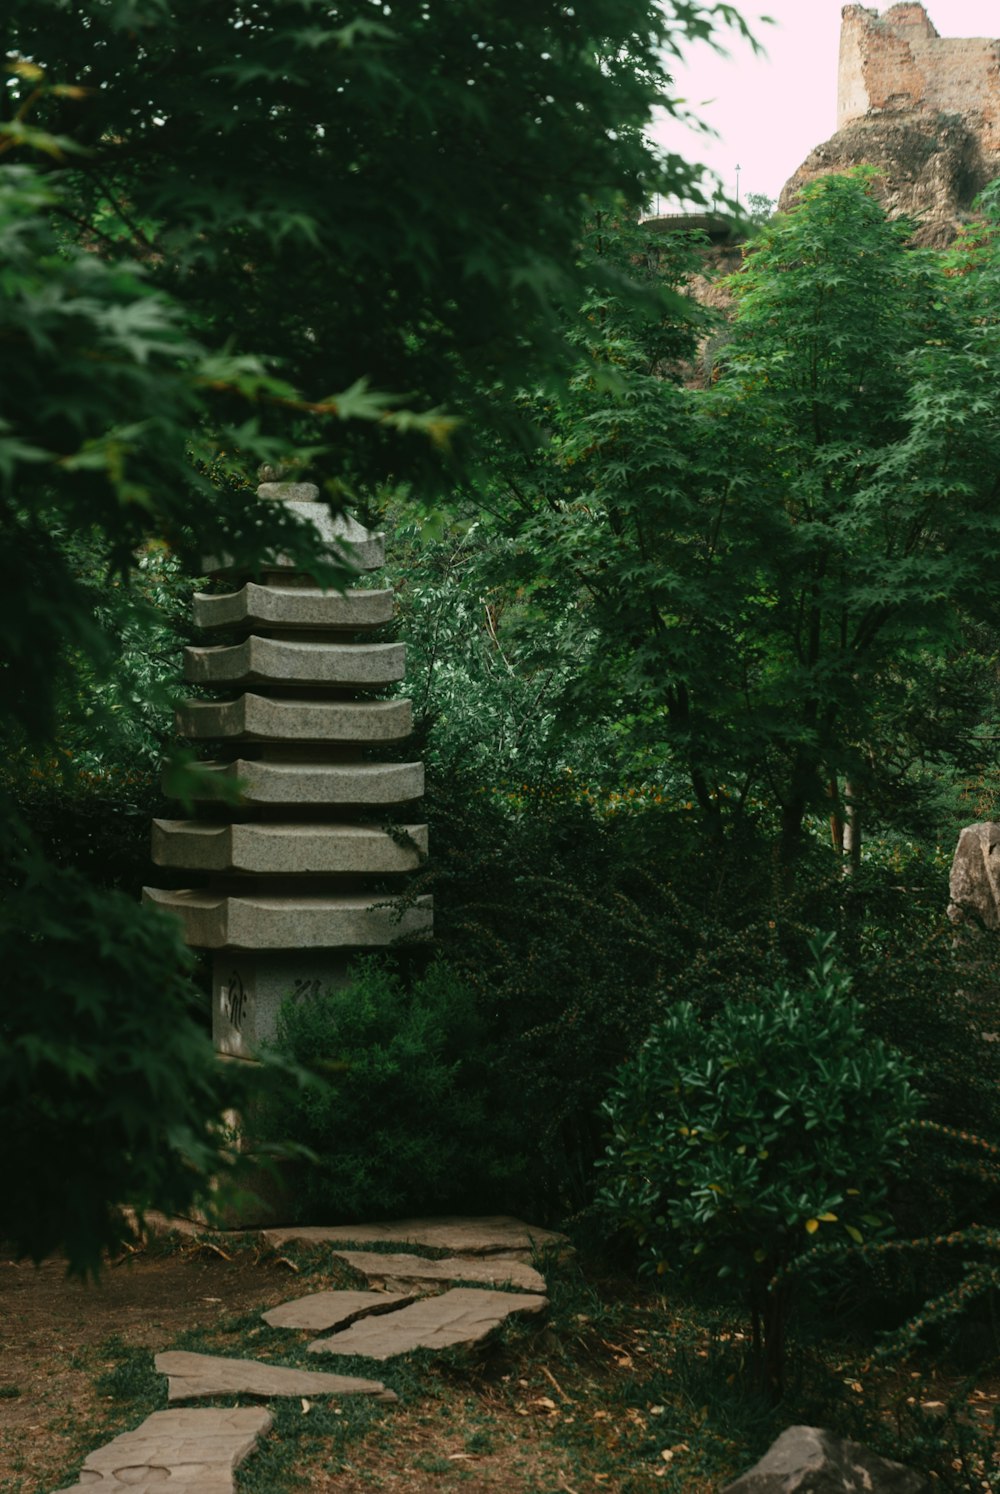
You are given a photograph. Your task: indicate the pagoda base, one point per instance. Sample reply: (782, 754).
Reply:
(249, 987)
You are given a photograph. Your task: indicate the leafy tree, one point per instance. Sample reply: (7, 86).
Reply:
(358, 191)
(369, 213)
(771, 578)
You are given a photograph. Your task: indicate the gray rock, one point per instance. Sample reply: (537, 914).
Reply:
(193, 1450)
(292, 607)
(283, 850)
(974, 886)
(321, 1311)
(459, 1318)
(484, 1236)
(809, 1460)
(407, 1270)
(214, 921)
(321, 783)
(192, 1377)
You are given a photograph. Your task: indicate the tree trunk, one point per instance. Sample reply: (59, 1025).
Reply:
(852, 829)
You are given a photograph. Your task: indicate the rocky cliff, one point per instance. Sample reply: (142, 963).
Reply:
(930, 167)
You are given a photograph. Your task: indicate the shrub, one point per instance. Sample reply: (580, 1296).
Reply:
(110, 1093)
(734, 1144)
(405, 1117)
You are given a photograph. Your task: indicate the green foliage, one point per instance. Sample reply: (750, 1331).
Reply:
(445, 278)
(108, 1086)
(214, 221)
(733, 1144)
(776, 586)
(408, 1116)
(960, 1268)
(567, 928)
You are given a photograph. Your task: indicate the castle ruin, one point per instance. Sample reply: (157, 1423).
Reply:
(923, 108)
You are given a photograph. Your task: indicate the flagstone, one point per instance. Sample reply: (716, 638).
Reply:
(194, 1450)
(494, 1234)
(406, 1270)
(458, 1318)
(323, 1310)
(190, 1376)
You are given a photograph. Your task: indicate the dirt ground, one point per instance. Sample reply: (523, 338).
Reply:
(57, 1337)
(523, 1419)
(52, 1329)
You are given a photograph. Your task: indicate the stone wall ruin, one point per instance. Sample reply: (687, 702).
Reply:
(922, 108)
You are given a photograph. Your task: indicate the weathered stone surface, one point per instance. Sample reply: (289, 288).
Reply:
(345, 541)
(288, 492)
(809, 1460)
(286, 849)
(484, 1236)
(292, 607)
(215, 921)
(296, 662)
(924, 109)
(322, 783)
(898, 60)
(196, 1450)
(463, 1316)
(255, 718)
(974, 886)
(407, 1270)
(193, 1377)
(929, 169)
(250, 988)
(321, 1311)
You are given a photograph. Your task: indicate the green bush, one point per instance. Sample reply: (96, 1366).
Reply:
(110, 1093)
(405, 1116)
(735, 1144)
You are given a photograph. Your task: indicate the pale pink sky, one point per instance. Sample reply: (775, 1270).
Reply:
(770, 111)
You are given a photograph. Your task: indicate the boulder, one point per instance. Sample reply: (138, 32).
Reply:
(974, 886)
(809, 1460)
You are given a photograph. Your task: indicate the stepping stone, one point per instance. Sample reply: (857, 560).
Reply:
(191, 1376)
(322, 1310)
(460, 1317)
(193, 1450)
(488, 1236)
(410, 1270)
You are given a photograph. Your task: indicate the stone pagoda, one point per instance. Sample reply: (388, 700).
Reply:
(293, 873)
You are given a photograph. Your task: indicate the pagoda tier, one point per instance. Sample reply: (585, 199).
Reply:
(298, 874)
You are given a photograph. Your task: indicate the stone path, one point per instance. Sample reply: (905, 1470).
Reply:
(193, 1450)
(494, 1235)
(394, 1271)
(459, 1318)
(198, 1450)
(323, 1310)
(193, 1377)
